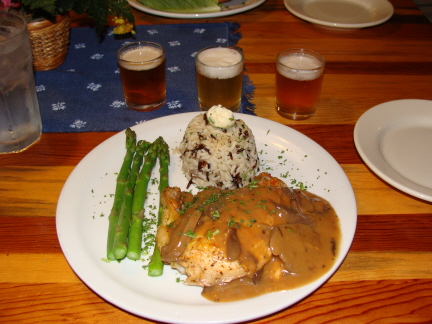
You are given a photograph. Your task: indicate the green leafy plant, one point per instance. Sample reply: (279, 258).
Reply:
(97, 10)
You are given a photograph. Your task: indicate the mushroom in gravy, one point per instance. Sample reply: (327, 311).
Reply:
(241, 243)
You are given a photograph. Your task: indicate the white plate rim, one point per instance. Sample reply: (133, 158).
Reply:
(336, 25)
(137, 5)
(91, 274)
(368, 129)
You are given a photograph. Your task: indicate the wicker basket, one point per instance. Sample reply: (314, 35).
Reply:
(49, 42)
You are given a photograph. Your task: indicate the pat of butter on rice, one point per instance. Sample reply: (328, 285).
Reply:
(220, 117)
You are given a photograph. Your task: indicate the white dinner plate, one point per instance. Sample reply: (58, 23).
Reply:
(394, 139)
(342, 14)
(86, 200)
(229, 8)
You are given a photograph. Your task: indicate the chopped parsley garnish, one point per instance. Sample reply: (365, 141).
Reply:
(232, 222)
(190, 233)
(210, 235)
(215, 214)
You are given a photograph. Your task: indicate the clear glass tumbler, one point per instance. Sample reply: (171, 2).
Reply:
(20, 120)
(142, 72)
(219, 73)
(299, 76)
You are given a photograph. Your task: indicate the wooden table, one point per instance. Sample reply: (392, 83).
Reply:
(387, 275)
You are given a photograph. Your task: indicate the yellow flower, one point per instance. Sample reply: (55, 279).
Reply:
(123, 27)
(118, 20)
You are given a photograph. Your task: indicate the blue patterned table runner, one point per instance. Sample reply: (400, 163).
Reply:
(84, 94)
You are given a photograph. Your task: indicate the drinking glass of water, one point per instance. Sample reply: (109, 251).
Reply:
(20, 120)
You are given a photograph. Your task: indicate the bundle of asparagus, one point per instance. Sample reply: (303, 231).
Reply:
(127, 213)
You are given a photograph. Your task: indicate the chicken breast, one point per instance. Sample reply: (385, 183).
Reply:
(239, 243)
(206, 242)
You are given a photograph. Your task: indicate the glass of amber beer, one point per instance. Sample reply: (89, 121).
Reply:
(219, 72)
(299, 76)
(142, 73)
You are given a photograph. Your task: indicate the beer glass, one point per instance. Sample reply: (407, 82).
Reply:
(142, 73)
(20, 120)
(299, 76)
(219, 73)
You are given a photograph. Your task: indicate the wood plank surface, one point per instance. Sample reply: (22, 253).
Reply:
(387, 275)
(379, 301)
(373, 194)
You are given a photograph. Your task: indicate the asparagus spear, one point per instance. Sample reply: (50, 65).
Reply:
(155, 267)
(124, 219)
(139, 198)
(119, 191)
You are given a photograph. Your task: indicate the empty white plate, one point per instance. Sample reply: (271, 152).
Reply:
(395, 140)
(345, 14)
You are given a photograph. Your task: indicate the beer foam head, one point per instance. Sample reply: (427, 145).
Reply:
(300, 67)
(219, 63)
(141, 58)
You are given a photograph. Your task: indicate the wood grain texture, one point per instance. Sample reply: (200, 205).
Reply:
(387, 275)
(373, 194)
(390, 232)
(371, 265)
(382, 301)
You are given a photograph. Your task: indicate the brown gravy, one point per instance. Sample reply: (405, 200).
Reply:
(284, 238)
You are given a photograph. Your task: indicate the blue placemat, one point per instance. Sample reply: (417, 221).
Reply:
(84, 94)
